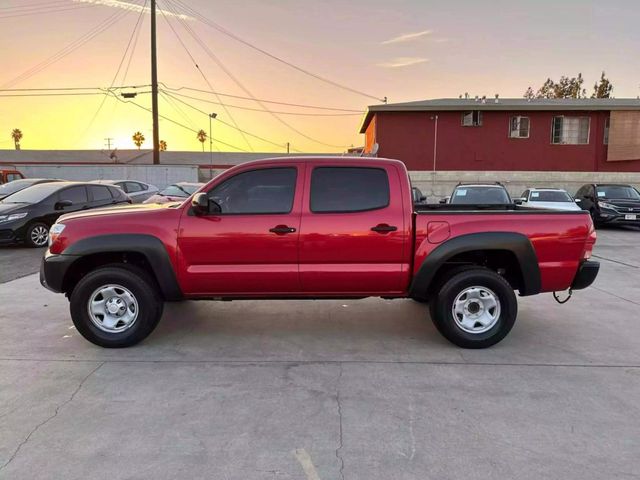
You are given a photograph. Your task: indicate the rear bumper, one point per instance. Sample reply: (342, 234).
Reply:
(587, 273)
(53, 270)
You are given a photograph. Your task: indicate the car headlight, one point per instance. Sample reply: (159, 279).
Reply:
(608, 206)
(12, 217)
(55, 231)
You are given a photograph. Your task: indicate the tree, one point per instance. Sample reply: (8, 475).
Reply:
(529, 94)
(603, 88)
(566, 87)
(202, 137)
(163, 146)
(16, 135)
(138, 139)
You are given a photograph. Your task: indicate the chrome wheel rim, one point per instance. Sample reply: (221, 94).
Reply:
(113, 308)
(39, 235)
(476, 310)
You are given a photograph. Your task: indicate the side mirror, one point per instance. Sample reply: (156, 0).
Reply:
(423, 198)
(442, 201)
(202, 205)
(519, 201)
(62, 204)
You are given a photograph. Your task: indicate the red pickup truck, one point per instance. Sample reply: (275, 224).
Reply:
(314, 228)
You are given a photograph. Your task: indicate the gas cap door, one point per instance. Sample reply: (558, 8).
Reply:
(438, 232)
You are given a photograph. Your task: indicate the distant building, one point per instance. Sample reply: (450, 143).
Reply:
(508, 134)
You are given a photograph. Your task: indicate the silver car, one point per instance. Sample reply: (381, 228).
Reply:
(550, 198)
(137, 191)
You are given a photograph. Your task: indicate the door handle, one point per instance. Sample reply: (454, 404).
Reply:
(282, 229)
(384, 228)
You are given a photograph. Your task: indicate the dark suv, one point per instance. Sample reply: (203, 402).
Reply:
(610, 203)
(27, 215)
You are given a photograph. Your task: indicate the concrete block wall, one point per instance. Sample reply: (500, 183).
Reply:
(158, 175)
(440, 184)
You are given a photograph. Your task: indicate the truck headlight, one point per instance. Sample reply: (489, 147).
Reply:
(55, 231)
(12, 217)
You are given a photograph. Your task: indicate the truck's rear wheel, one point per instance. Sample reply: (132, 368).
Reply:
(116, 306)
(474, 308)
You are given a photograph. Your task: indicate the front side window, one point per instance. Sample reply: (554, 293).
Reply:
(472, 118)
(570, 130)
(77, 195)
(264, 191)
(519, 127)
(348, 189)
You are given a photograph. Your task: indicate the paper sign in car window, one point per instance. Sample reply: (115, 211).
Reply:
(602, 194)
(461, 193)
(535, 194)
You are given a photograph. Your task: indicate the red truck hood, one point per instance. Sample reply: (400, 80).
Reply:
(118, 211)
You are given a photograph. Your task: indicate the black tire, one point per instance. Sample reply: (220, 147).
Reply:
(443, 317)
(37, 235)
(145, 292)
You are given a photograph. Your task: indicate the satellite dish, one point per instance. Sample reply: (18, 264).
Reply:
(374, 150)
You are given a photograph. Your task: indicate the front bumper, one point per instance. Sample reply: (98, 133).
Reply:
(617, 218)
(587, 273)
(53, 270)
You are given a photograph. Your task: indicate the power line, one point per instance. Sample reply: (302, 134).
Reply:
(184, 46)
(215, 58)
(60, 54)
(300, 114)
(55, 89)
(230, 34)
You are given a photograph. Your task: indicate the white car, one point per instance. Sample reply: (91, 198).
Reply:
(550, 198)
(137, 191)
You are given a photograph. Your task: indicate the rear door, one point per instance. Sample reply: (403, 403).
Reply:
(100, 196)
(352, 235)
(249, 247)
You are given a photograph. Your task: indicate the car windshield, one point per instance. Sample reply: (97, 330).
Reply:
(33, 194)
(12, 187)
(622, 192)
(550, 196)
(179, 190)
(484, 195)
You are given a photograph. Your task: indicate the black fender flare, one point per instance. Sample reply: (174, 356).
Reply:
(516, 243)
(149, 246)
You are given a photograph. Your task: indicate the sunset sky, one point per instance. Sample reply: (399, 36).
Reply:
(404, 50)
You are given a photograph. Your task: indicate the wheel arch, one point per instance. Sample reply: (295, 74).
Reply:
(510, 251)
(145, 251)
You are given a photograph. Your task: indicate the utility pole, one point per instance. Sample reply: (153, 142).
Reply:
(288, 146)
(211, 117)
(154, 87)
(108, 140)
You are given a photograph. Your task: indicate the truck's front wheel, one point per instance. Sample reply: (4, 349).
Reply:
(475, 308)
(116, 306)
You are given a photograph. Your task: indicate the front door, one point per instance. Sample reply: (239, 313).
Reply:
(353, 235)
(248, 244)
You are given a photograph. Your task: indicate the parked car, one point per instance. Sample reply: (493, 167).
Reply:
(138, 191)
(175, 193)
(610, 203)
(418, 196)
(14, 186)
(27, 215)
(7, 176)
(550, 198)
(314, 228)
(485, 194)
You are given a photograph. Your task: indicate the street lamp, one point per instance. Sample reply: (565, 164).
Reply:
(211, 117)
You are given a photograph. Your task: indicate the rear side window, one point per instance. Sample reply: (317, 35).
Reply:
(132, 187)
(264, 191)
(100, 193)
(77, 195)
(118, 193)
(348, 189)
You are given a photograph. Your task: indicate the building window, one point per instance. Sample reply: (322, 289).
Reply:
(606, 131)
(570, 130)
(472, 118)
(519, 127)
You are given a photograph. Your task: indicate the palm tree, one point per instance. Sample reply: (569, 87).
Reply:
(163, 146)
(16, 135)
(138, 139)
(202, 137)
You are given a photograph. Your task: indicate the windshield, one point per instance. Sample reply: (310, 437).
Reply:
(550, 196)
(12, 187)
(622, 192)
(484, 195)
(179, 190)
(33, 194)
